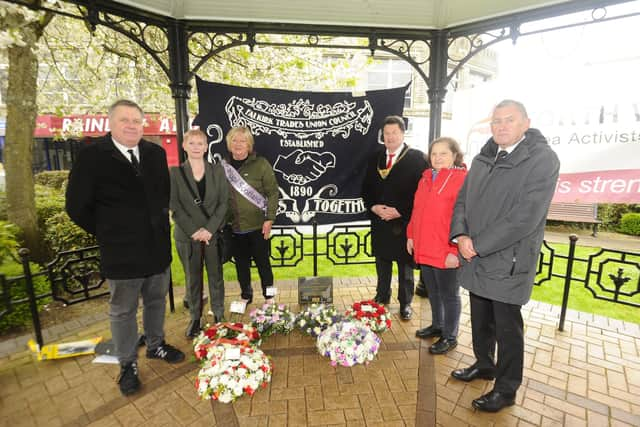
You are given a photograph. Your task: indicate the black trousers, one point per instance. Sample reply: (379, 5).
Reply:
(494, 322)
(249, 246)
(405, 280)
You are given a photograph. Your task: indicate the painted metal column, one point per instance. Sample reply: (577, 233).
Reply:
(180, 77)
(437, 82)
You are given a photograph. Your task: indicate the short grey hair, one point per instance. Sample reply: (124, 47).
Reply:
(511, 103)
(124, 103)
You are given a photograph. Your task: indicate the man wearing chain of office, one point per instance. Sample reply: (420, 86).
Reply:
(390, 182)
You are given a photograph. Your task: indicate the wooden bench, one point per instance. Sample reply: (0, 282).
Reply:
(575, 212)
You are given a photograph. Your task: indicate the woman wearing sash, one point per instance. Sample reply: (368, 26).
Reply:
(199, 201)
(253, 201)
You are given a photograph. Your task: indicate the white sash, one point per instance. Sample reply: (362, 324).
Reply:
(242, 187)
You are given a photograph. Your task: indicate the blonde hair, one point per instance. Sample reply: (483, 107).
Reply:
(192, 133)
(240, 130)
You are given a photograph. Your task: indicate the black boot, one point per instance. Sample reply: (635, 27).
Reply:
(193, 329)
(421, 290)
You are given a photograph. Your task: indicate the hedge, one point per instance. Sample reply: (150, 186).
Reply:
(630, 224)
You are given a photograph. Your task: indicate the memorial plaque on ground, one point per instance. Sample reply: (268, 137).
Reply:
(316, 289)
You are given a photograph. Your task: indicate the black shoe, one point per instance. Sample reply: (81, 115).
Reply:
(428, 332)
(380, 300)
(193, 329)
(472, 372)
(166, 352)
(421, 291)
(406, 312)
(128, 380)
(494, 401)
(443, 345)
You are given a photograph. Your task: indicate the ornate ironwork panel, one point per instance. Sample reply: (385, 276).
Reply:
(75, 276)
(544, 266)
(613, 276)
(152, 38)
(287, 247)
(202, 46)
(348, 244)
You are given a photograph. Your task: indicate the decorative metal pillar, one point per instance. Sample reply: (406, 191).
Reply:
(179, 75)
(437, 83)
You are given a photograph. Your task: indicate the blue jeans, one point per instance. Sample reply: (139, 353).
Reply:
(444, 297)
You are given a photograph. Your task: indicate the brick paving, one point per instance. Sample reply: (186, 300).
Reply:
(588, 375)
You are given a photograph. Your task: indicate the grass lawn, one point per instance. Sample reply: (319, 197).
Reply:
(580, 297)
(549, 291)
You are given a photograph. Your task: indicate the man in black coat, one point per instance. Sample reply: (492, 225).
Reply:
(119, 191)
(390, 182)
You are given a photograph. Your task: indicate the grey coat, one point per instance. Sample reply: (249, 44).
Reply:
(502, 207)
(188, 217)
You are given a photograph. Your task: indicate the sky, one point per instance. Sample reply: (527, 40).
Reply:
(595, 60)
(564, 77)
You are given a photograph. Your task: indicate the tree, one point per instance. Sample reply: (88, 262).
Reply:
(20, 30)
(83, 70)
(80, 66)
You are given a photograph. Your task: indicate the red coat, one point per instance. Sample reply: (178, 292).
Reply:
(431, 217)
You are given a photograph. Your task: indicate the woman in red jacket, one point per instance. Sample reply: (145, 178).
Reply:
(428, 241)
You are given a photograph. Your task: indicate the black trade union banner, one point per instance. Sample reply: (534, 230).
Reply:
(317, 142)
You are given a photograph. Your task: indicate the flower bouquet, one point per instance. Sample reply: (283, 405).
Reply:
(225, 333)
(348, 343)
(372, 314)
(272, 318)
(232, 371)
(316, 318)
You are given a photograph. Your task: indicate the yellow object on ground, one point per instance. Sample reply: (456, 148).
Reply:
(61, 351)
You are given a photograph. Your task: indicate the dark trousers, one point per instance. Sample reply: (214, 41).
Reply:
(444, 297)
(123, 307)
(190, 254)
(405, 280)
(494, 322)
(249, 246)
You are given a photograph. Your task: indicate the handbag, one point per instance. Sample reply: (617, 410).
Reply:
(224, 242)
(223, 236)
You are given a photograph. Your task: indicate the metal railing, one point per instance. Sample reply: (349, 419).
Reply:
(608, 274)
(74, 276)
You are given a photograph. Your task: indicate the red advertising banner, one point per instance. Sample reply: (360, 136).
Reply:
(617, 186)
(51, 126)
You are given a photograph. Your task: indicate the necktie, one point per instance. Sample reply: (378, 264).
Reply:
(134, 160)
(501, 155)
(390, 160)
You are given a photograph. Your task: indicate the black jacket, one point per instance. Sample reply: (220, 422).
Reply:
(389, 238)
(127, 211)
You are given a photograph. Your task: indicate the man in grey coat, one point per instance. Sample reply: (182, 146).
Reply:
(498, 224)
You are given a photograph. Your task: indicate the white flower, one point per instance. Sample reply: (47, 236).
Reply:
(348, 343)
(225, 379)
